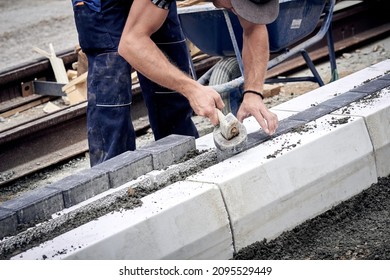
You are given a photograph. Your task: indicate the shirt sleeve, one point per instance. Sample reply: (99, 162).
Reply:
(164, 4)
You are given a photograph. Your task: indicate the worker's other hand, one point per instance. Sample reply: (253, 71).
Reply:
(204, 100)
(253, 105)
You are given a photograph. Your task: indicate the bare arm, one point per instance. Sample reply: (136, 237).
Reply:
(142, 53)
(255, 55)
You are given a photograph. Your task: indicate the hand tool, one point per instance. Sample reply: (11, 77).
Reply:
(229, 136)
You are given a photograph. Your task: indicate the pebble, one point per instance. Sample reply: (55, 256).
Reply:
(347, 55)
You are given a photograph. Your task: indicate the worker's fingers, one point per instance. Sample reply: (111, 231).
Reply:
(204, 101)
(272, 122)
(216, 103)
(219, 106)
(213, 117)
(242, 114)
(219, 102)
(261, 120)
(267, 120)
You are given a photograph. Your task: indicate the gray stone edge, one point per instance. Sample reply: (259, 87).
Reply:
(39, 204)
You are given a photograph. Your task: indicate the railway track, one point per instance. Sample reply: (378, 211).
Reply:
(53, 138)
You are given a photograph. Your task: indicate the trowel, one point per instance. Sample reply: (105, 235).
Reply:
(230, 135)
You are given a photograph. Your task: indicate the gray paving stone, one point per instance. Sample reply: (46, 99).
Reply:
(169, 149)
(82, 185)
(258, 137)
(8, 222)
(312, 113)
(385, 77)
(344, 99)
(320, 110)
(36, 205)
(373, 86)
(286, 125)
(126, 167)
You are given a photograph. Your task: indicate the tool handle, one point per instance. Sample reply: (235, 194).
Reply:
(221, 116)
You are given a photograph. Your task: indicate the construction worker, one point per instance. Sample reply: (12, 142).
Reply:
(146, 34)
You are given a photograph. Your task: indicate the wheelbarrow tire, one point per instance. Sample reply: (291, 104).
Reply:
(225, 71)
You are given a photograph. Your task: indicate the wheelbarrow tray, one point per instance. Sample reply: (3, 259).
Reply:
(205, 26)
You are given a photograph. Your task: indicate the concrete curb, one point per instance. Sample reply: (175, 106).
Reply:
(159, 229)
(40, 204)
(283, 182)
(258, 193)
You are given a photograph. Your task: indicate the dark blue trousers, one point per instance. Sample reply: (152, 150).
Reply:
(110, 128)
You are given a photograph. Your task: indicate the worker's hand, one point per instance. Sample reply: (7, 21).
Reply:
(253, 105)
(204, 100)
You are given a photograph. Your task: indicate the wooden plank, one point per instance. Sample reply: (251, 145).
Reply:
(56, 63)
(76, 89)
(80, 79)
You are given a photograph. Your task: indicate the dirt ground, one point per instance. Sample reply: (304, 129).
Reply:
(356, 229)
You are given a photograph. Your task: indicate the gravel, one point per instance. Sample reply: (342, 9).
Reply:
(357, 229)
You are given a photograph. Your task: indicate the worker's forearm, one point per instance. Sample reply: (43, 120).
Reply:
(255, 55)
(146, 58)
(136, 46)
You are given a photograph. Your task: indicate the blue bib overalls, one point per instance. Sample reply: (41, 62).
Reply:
(109, 124)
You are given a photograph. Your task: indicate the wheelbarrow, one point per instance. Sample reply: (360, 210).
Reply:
(217, 32)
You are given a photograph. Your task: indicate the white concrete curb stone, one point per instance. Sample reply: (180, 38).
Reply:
(376, 113)
(310, 173)
(186, 220)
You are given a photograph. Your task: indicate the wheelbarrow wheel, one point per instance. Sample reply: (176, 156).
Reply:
(225, 71)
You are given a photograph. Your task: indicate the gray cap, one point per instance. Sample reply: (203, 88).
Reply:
(257, 11)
